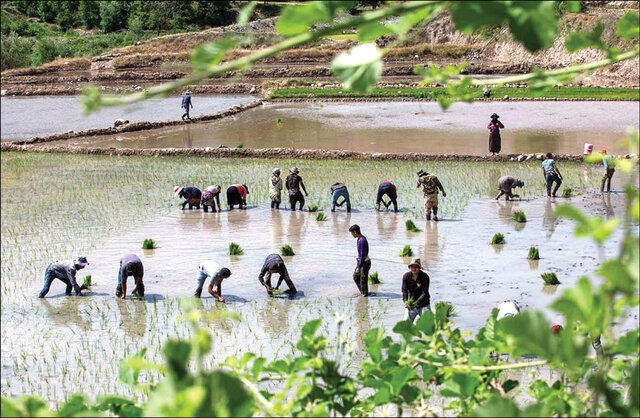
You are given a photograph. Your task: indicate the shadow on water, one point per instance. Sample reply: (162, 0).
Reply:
(384, 295)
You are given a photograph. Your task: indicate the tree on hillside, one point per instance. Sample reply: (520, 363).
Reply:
(113, 15)
(89, 13)
(212, 13)
(47, 10)
(67, 16)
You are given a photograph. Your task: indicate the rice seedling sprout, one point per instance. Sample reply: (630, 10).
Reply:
(519, 216)
(550, 278)
(567, 192)
(498, 239)
(374, 278)
(321, 217)
(286, 250)
(411, 227)
(533, 254)
(406, 251)
(235, 249)
(149, 244)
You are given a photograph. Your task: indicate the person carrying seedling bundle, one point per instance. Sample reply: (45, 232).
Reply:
(274, 264)
(237, 195)
(294, 184)
(389, 189)
(130, 265)
(551, 174)
(607, 161)
(66, 273)
(339, 190)
(211, 196)
(191, 196)
(506, 184)
(415, 291)
(363, 262)
(211, 269)
(275, 189)
(430, 185)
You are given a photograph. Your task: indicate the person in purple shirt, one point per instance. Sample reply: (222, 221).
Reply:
(361, 273)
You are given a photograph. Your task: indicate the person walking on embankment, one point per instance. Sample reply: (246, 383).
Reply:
(237, 195)
(430, 186)
(363, 262)
(191, 196)
(415, 291)
(389, 189)
(211, 197)
(551, 175)
(130, 265)
(274, 264)
(66, 273)
(609, 170)
(494, 134)
(275, 189)
(339, 190)
(506, 184)
(186, 104)
(211, 269)
(294, 184)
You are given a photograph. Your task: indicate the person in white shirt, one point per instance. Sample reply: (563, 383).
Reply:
(217, 274)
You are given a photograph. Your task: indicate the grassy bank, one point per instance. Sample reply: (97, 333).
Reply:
(433, 93)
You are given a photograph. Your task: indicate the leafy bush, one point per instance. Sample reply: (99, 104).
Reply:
(566, 192)
(234, 249)
(45, 50)
(286, 250)
(533, 254)
(14, 52)
(411, 227)
(406, 251)
(550, 278)
(498, 239)
(321, 216)
(519, 216)
(447, 307)
(148, 244)
(374, 278)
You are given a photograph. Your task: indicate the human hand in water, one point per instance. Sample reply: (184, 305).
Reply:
(221, 299)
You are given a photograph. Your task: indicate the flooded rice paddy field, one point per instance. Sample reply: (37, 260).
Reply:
(59, 206)
(25, 117)
(530, 127)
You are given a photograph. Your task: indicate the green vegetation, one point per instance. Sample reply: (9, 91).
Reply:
(411, 304)
(286, 250)
(550, 278)
(519, 216)
(239, 145)
(374, 278)
(406, 251)
(567, 192)
(234, 249)
(498, 239)
(411, 227)
(321, 217)
(313, 208)
(149, 244)
(86, 282)
(343, 36)
(447, 307)
(533, 254)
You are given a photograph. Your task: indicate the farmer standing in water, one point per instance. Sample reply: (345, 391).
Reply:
(494, 136)
(430, 186)
(361, 273)
(186, 103)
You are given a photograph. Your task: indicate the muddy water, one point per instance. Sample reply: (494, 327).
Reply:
(25, 117)
(530, 127)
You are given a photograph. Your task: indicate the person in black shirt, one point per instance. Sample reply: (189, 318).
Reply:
(415, 291)
(274, 264)
(294, 184)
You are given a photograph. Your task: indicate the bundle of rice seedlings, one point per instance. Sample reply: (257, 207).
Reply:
(406, 251)
(312, 208)
(519, 216)
(533, 254)
(411, 304)
(374, 278)
(411, 227)
(234, 249)
(239, 145)
(451, 311)
(286, 250)
(550, 278)
(321, 217)
(86, 283)
(148, 244)
(279, 122)
(498, 239)
(566, 192)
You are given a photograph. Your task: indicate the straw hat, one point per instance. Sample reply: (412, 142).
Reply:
(495, 116)
(177, 190)
(294, 170)
(81, 261)
(415, 262)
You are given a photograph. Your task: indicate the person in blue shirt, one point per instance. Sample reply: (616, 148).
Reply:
(551, 175)
(186, 103)
(607, 160)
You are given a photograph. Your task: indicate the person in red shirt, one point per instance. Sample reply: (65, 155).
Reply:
(237, 195)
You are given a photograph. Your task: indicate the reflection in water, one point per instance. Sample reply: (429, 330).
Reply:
(187, 136)
(431, 251)
(387, 224)
(276, 229)
(606, 204)
(363, 320)
(505, 210)
(341, 223)
(549, 219)
(133, 314)
(274, 315)
(533, 264)
(549, 289)
(67, 312)
(297, 224)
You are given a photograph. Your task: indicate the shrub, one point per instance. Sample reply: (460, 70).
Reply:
(234, 249)
(321, 217)
(45, 50)
(550, 278)
(519, 216)
(533, 254)
(498, 239)
(406, 251)
(411, 227)
(14, 52)
(149, 244)
(286, 250)
(448, 307)
(374, 278)
(566, 192)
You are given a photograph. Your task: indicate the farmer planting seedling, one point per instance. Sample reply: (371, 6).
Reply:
(211, 269)
(211, 198)
(130, 265)
(430, 186)
(66, 273)
(506, 184)
(237, 195)
(191, 195)
(339, 190)
(274, 264)
(389, 189)
(415, 291)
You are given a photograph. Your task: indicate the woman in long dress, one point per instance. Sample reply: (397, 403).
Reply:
(494, 136)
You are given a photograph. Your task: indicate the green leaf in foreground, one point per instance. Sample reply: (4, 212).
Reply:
(627, 27)
(581, 40)
(210, 54)
(533, 23)
(246, 12)
(299, 18)
(372, 30)
(360, 68)
(471, 15)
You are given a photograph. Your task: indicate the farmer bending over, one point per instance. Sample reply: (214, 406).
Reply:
(211, 196)
(211, 269)
(274, 264)
(389, 189)
(339, 190)
(66, 273)
(415, 291)
(237, 195)
(506, 184)
(191, 195)
(361, 273)
(430, 185)
(130, 265)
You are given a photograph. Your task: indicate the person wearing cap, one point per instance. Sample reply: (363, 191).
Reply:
(430, 186)
(607, 161)
(66, 273)
(551, 174)
(415, 286)
(217, 274)
(389, 189)
(494, 134)
(294, 184)
(339, 190)
(237, 195)
(363, 262)
(191, 196)
(274, 264)
(186, 103)
(211, 196)
(275, 189)
(130, 265)
(506, 184)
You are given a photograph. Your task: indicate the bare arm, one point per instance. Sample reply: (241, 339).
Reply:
(218, 292)
(555, 167)
(123, 287)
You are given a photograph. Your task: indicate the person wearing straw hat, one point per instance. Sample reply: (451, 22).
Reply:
(275, 189)
(494, 134)
(607, 161)
(191, 196)
(66, 273)
(415, 291)
(506, 184)
(186, 103)
(210, 268)
(130, 265)
(430, 186)
(294, 184)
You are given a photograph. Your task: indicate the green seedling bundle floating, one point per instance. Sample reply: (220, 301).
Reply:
(533, 254)
(498, 239)
(149, 244)
(411, 227)
(567, 192)
(235, 249)
(286, 250)
(374, 278)
(406, 251)
(519, 216)
(550, 278)
(321, 217)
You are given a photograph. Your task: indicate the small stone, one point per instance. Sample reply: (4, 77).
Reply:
(521, 157)
(506, 97)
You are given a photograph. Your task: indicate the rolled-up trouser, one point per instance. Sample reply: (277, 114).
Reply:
(293, 198)
(431, 202)
(414, 314)
(48, 279)
(607, 179)
(361, 278)
(386, 189)
(139, 289)
(283, 276)
(342, 192)
(552, 178)
(200, 279)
